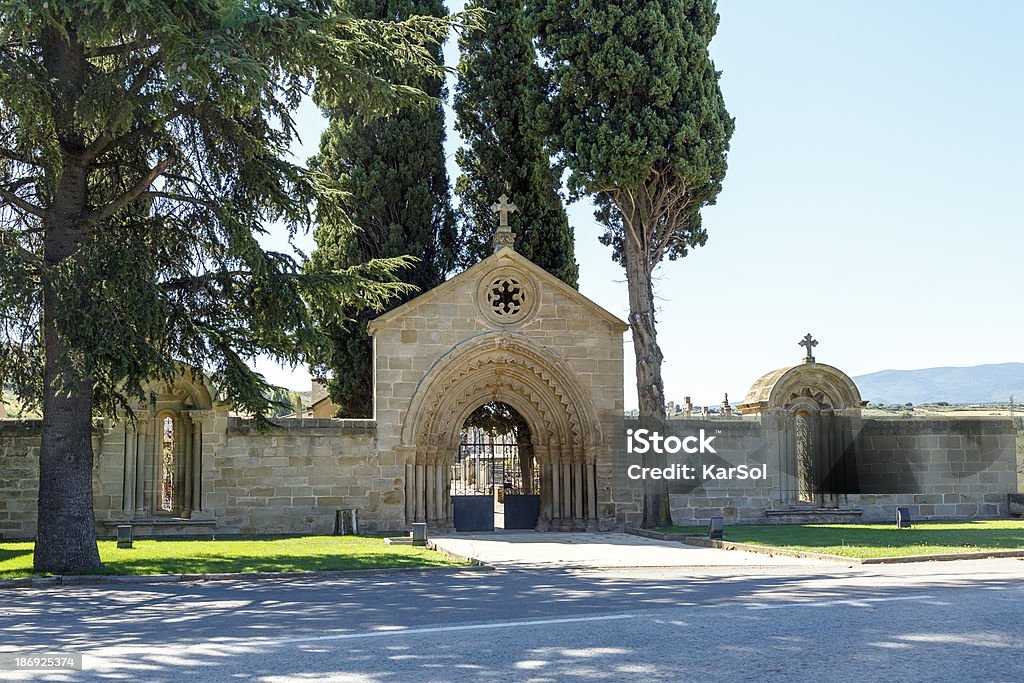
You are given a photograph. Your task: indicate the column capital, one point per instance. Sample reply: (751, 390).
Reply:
(198, 415)
(145, 421)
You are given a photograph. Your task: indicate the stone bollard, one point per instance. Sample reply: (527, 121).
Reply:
(716, 528)
(124, 535)
(419, 533)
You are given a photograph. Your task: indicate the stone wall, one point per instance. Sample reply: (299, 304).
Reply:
(939, 468)
(19, 474)
(738, 443)
(19, 477)
(1020, 461)
(942, 468)
(290, 480)
(293, 478)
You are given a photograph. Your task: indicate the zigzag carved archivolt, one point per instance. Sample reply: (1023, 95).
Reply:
(486, 373)
(499, 366)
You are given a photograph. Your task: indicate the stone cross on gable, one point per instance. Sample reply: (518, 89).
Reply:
(503, 207)
(503, 237)
(810, 343)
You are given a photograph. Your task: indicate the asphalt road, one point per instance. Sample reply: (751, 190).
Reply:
(956, 621)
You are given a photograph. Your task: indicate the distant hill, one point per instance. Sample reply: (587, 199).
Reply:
(978, 384)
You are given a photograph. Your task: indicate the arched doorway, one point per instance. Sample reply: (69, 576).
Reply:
(495, 480)
(535, 385)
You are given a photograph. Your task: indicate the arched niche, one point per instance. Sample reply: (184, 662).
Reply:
(163, 451)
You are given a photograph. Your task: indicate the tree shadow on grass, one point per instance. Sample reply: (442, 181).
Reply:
(15, 562)
(213, 563)
(11, 553)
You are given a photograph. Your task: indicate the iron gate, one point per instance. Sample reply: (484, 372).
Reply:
(490, 477)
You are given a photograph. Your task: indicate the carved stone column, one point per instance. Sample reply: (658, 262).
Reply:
(577, 483)
(199, 418)
(566, 496)
(446, 496)
(143, 427)
(591, 482)
(804, 457)
(187, 465)
(420, 488)
(556, 484)
(431, 485)
(439, 499)
(156, 451)
(410, 492)
(131, 443)
(543, 454)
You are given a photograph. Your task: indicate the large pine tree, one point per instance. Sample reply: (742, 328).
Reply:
(143, 147)
(395, 193)
(500, 104)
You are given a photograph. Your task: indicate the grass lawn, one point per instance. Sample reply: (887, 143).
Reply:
(883, 540)
(307, 553)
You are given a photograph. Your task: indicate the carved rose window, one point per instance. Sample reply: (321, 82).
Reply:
(507, 297)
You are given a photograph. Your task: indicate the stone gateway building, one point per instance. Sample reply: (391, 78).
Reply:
(505, 333)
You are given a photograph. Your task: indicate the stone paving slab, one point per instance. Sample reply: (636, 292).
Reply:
(606, 550)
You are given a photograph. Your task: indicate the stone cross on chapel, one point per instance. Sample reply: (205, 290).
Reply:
(504, 236)
(810, 343)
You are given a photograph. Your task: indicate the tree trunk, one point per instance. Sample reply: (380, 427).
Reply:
(649, 385)
(66, 534)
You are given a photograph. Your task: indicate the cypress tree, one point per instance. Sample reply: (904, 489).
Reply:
(395, 194)
(500, 102)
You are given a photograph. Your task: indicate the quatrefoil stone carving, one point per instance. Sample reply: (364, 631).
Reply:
(507, 297)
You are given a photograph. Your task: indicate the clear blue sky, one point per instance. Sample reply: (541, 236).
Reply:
(873, 198)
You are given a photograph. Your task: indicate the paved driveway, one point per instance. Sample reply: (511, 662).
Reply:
(608, 550)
